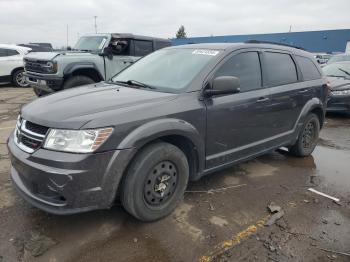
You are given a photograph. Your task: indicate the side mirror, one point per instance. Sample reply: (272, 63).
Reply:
(224, 85)
(107, 51)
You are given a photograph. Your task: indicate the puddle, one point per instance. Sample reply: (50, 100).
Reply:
(333, 167)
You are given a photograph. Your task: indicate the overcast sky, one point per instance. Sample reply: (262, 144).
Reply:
(24, 21)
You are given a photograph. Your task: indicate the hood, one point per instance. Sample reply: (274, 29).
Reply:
(73, 108)
(51, 55)
(339, 83)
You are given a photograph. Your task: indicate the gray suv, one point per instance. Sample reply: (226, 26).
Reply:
(175, 115)
(94, 58)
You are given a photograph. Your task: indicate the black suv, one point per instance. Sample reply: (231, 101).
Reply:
(175, 115)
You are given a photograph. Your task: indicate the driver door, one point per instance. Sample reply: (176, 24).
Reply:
(236, 123)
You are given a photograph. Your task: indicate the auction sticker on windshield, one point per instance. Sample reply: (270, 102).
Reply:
(205, 52)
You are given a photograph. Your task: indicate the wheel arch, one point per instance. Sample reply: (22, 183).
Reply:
(174, 131)
(316, 106)
(87, 69)
(16, 69)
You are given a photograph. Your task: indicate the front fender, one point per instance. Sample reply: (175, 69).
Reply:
(70, 68)
(165, 127)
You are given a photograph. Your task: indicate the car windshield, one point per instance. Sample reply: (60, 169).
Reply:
(167, 70)
(337, 70)
(90, 43)
(339, 58)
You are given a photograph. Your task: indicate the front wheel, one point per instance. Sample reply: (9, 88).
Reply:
(155, 182)
(307, 138)
(19, 79)
(78, 80)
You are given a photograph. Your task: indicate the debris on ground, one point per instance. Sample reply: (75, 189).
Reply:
(35, 243)
(215, 190)
(135, 240)
(323, 194)
(277, 213)
(273, 208)
(334, 252)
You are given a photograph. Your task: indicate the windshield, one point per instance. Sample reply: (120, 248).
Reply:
(168, 70)
(339, 58)
(90, 43)
(337, 70)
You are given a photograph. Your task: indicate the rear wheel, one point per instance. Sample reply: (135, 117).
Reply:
(307, 138)
(19, 79)
(155, 182)
(78, 80)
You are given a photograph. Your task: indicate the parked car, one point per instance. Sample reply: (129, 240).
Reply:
(94, 58)
(37, 47)
(175, 115)
(338, 74)
(322, 58)
(11, 64)
(339, 58)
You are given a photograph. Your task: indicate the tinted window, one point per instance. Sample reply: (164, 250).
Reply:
(143, 48)
(11, 52)
(280, 68)
(308, 68)
(245, 66)
(3, 52)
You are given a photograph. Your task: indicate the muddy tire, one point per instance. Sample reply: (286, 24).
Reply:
(18, 79)
(75, 81)
(307, 138)
(155, 182)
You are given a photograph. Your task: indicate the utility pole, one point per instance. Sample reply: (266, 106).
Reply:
(95, 24)
(67, 35)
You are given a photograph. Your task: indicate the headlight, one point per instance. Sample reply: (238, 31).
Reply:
(341, 92)
(77, 141)
(51, 67)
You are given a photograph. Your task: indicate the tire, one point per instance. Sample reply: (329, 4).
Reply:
(40, 92)
(155, 182)
(18, 78)
(307, 138)
(78, 80)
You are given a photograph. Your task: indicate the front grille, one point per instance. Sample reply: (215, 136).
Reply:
(37, 66)
(29, 136)
(42, 130)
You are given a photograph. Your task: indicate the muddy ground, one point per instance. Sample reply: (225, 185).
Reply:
(210, 225)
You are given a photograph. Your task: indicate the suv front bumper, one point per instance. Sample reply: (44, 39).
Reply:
(339, 103)
(67, 183)
(47, 83)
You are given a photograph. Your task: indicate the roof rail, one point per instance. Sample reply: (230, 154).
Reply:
(273, 43)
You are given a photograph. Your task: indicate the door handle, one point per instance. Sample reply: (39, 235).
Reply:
(263, 99)
(303, 91)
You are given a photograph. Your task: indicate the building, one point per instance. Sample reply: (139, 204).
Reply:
(326, 41)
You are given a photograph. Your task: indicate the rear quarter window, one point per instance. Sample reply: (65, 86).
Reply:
(142, 47)
(280, 69)
(308, 68)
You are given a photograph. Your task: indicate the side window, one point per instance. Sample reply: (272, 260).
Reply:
(11, 52)
(280, 69)
(308, 68)
(3, 52)
(142, 47)
(245, 66)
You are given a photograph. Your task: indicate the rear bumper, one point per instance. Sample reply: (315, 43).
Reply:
(339, 104)
(44, 82)
(66, 183)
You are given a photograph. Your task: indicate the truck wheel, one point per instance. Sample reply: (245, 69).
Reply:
(155, 182)
(79, 80)
(40, 92)
(18, 79)
(307, 138)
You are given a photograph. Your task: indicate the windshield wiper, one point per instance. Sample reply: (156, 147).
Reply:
(134, 83)
(344, 71)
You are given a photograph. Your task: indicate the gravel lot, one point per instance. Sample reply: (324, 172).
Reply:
(224, 224)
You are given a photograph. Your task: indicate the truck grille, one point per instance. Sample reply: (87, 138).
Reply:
(28, 135)
(37, 66)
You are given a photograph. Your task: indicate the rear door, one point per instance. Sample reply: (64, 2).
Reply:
(282, 79)
(9, 60)
(236, 124)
